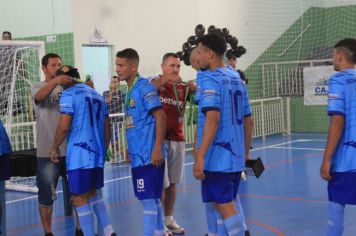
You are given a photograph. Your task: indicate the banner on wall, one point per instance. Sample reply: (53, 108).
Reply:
(316, 84)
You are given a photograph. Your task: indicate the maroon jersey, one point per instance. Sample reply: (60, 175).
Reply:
(174, 109)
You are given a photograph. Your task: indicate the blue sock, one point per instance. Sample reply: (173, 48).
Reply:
(234, 226)
(241, 211)
(211, 218)
(220, 223)
(100, 211)
(149, 216)
(336, 219)
(86, 219)
(159, 222)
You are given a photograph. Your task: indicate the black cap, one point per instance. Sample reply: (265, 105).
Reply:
(70, 71)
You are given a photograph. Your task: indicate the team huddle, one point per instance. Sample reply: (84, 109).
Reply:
(73, 142)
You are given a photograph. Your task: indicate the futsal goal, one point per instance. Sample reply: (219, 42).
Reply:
(19, 68)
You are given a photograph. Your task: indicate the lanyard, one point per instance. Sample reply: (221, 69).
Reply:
(129, 90)
(180, 112)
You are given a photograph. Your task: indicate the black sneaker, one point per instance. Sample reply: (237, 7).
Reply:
(247, 233)
(79, 232)
(114, 234)
(49, 234)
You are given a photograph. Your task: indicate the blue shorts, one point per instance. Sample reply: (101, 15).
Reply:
(342, 188)
(148, 181)
(83, 180)
(47, 175)
(220, 187)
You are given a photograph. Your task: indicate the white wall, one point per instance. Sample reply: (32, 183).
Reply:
(156, 27)
(25, 18)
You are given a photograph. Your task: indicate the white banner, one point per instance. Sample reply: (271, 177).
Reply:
(316, 84)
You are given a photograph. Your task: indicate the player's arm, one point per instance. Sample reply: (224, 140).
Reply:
(107, 132)
(160, 117)
(212, 118)
(47, 89)
(248, 128)
(163, 79)
(195, 147)
(336, 129)
(63, 127)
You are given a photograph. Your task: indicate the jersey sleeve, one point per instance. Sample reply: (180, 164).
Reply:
(66, 103)
(151, 98)
(209, 94)
(336, 97)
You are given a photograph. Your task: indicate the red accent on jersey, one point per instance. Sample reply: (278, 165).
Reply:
(174, 130)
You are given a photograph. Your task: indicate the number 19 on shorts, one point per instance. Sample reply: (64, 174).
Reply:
(140, 184)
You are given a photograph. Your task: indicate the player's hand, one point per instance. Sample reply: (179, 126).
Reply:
(325, 170)
(192, 87)
(63, 79)
(156, 157)
(198, 169)
(54, 155)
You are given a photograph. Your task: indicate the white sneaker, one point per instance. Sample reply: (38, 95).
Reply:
(175, 228)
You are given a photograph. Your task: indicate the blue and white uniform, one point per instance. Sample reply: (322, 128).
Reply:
(86, 148)
(342, 101)
(142, 99)
(222, 90)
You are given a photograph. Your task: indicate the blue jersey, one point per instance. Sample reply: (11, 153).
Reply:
(222, 90)
(86, 139)
(140, 123)
(342, 101)
(5, 147)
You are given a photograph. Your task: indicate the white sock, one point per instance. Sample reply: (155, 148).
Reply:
(108, 230)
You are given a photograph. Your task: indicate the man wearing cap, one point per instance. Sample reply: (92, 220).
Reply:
(84, 118)
(45, 96)
(339, 162)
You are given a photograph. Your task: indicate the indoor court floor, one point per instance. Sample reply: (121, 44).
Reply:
(288, 199)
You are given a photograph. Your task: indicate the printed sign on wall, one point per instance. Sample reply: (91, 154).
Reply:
(316, 84)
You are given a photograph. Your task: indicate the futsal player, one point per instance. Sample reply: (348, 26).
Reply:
(84, 118)
(145, 131)
(339, 161)
(221, 142)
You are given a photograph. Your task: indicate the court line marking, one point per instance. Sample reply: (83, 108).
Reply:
(299, 148)
(186, 164)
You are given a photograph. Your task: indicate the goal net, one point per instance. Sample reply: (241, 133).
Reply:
(19, 68)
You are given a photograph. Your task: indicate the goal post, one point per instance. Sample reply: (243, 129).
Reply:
(20, 67)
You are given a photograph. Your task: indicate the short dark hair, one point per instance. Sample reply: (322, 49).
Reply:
(7, 32)
(130, 54)
(46, 58)
(350, 45)
(233, 57)
(215, 42)
(168, 55)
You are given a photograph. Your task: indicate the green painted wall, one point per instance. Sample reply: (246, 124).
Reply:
(327, 26)
(63, 46)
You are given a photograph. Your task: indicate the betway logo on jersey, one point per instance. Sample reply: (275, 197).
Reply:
(171, 101)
